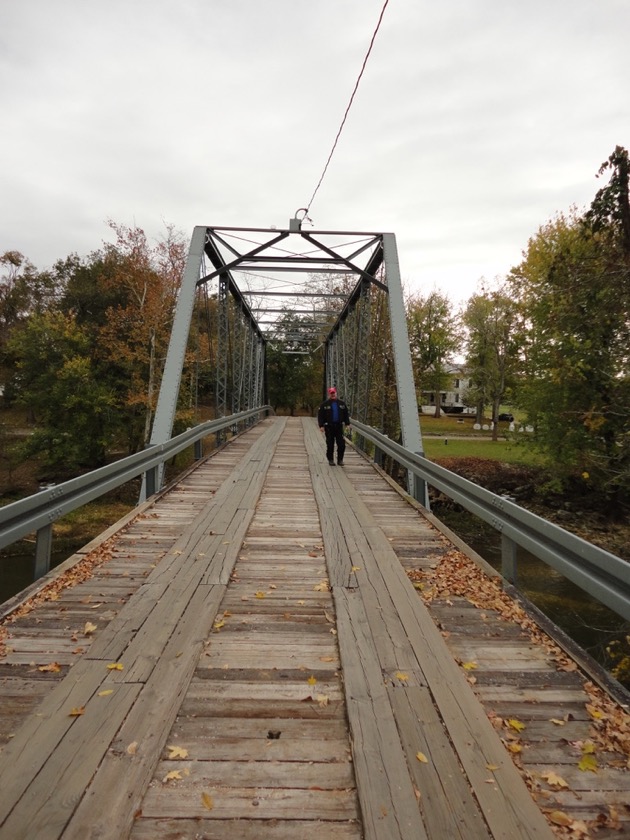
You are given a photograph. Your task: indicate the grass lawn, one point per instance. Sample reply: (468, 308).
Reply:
(511, 452)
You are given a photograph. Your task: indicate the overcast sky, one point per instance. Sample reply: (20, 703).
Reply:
(475, 121)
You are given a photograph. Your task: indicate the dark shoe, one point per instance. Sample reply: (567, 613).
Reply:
(332, 463)
(340, 463)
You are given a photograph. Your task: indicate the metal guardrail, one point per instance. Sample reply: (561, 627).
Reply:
(603, 575)
(37, 513)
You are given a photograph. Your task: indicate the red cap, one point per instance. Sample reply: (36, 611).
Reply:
(332, 391)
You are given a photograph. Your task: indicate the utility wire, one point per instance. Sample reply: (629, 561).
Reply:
(345, 116)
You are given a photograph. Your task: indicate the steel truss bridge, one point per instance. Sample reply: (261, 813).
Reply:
(296, 290)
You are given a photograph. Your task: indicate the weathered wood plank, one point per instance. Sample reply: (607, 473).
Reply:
(245, 829)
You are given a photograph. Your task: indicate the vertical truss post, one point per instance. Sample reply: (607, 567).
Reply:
(362, 355)
(407, 401)
(222, 351)
(171, 378)
(238, 356)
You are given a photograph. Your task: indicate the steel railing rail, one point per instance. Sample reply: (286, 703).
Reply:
(603, 575)
(37, 513)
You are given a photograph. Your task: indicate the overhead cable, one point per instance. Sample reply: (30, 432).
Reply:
(345, 116)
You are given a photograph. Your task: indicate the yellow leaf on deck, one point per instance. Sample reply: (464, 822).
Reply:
(422, 757)
(554, 780)
(206, 801)
(115, 666)
(260, 594)
(78, 710)
(560, 818)
(515, 748)
(321, 587)
(326, 658)
(492, 767)
(558, 722)
(322, 699)
(516, 724)
(311, 680)
(172, 774)
(177, 752)
(402, 677)
(356, 568)
(89, 628)
(52, 668)
(594, 712)
(588, 747)
(469, 666)
(219, 624)
(105, 693)
(132, 749)
(588, 762)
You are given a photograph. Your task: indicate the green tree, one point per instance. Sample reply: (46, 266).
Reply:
(492, 349)
(573, 288)
(434, 338)
(58, 383)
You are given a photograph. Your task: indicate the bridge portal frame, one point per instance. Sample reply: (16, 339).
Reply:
(271, 251)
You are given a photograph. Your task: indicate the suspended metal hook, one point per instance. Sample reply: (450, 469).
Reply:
(295, 224)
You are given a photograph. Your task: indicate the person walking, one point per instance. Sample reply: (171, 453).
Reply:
(332, 415)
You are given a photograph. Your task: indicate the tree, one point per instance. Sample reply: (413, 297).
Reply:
(294, 372)
(492, 349)
(434, 338)
(58, 383)
(573, 289)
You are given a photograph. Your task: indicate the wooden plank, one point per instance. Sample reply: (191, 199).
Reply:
(389, 807)
(446, 801)
(267, 803)
(245, 829)
(49, 799)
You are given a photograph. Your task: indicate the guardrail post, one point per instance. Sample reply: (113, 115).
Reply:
(198, 450)
(43, 546)
(508, 559)
(378, 456)
(151, 481)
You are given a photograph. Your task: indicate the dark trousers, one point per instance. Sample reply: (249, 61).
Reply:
(334, 432)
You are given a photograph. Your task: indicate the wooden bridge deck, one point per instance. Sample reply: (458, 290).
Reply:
(248, 658)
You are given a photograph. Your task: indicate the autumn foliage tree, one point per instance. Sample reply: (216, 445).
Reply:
(573, 288)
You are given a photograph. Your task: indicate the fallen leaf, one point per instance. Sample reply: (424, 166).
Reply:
(51, 668)
(422, 757)
(311, 680)
(516, 724)
(219, 624)
(326, 658)
(89, 628)
(172, 774)
(132, 749)
(595, 713)
(554, 780)
(492, 767)
(558, 722)
(322, 699)
(515, 748)
(469, 666)
(106, 692)
(177, 752)
(115, 666)
(560, 818)
(588, 762)
(356, 568)
(322, 586)
(206, 801)
(77, 711)
(402, 677)
(260, 594)
(301, 603)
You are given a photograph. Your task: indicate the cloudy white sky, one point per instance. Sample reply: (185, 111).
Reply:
(475, 121)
